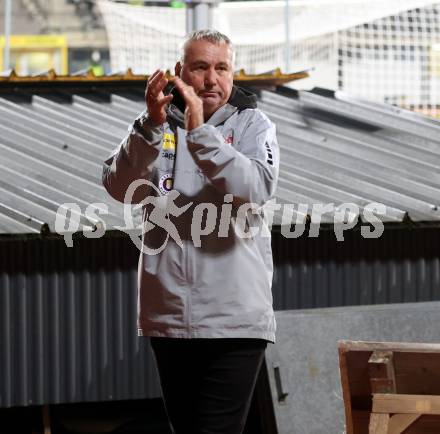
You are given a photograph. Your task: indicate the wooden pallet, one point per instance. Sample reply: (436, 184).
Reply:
(390, 388)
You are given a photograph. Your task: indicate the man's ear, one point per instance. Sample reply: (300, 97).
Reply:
(178, 69)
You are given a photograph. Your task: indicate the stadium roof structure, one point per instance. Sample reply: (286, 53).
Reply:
(55, 135)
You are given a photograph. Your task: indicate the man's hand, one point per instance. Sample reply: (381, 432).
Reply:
(155, 98)
(194, 105)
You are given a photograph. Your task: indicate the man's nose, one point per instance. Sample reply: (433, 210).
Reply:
(210, 77)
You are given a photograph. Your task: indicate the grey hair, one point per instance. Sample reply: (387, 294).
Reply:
(210, 35)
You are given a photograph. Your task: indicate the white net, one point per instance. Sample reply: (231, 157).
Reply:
(395, 59)
(386, 51)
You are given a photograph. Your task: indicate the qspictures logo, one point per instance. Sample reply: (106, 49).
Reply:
(207, 218)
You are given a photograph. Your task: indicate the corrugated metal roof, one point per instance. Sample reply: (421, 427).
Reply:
(340, 149)
(54, 137)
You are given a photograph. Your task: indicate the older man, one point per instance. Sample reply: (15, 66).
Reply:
(204, 300)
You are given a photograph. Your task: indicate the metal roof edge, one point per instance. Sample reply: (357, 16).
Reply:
(271, 78)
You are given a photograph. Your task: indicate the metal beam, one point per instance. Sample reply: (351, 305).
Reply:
(8, 14)
(199, 14)
(287, 36)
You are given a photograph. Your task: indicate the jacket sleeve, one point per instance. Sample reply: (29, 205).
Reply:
(133, 160)
(249, 170)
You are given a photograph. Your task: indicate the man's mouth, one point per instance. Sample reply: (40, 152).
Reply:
(209, 94)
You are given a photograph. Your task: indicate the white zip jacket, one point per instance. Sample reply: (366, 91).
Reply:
(203, 283)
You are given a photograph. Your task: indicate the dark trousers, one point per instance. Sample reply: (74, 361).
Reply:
(207, 384)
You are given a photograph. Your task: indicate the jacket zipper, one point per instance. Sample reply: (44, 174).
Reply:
(188, 292)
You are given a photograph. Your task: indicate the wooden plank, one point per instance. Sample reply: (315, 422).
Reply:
(357, 371)
(379, 423)
(346, 391)
(46, 420)
(406, 404)
(381, 371)
(400, 422)
(361, 419)
(426, 424)
(417, 373)
(389, 346)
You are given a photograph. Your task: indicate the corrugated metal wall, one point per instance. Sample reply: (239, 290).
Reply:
(68, 323)
(68, 315)
(403, 265)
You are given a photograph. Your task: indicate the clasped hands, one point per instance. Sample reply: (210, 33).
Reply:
(157, 101)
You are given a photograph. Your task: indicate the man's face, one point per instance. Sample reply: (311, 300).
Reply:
(208, 69)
